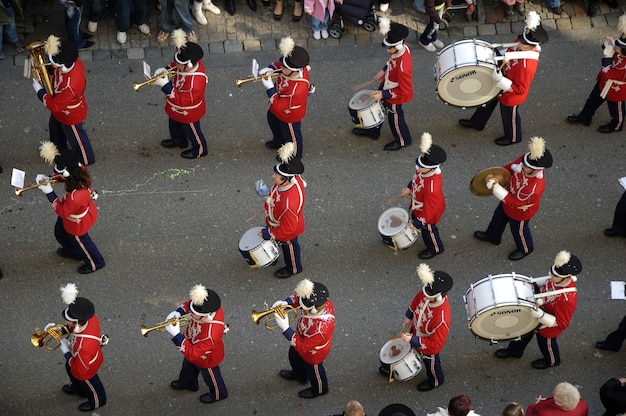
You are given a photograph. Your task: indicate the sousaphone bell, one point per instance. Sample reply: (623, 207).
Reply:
(478, 184)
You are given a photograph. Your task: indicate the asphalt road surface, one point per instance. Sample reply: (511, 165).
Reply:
(167, 223)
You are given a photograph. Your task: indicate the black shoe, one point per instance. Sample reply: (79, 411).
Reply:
(86, 407)
(272, 145)
(575, 119)
(482, 236)
(391, 146)
(67, 389)
(607, 128)
(557, 10)
(592, 10)
(427, 254)
(503, 141)
(206, 398)
(309, 393)
(283, 273)
(189, 154)
(384, 371)
(88, 44)
(502, 353)
(425, 386)
(540, 364)
(265, 3)
(230, 7)
(61, 252)
(365, 132)
(610, 233)
(291, 376)
(518, 255)
(467, 123)
(176, 386)
(603, 345)
(85, 269)
(252, 5)
(613, 4)
(169, 144)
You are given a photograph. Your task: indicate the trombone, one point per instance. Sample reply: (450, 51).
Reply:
(150, 81)
(274, 74)
(281, 310)
(183, 320)
(55, 332)
(49, 181)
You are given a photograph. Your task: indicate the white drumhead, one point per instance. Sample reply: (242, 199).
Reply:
(468, 86)
(394, 351)
(391, 222)
(250, 239)
(361, 100)
(504, 323)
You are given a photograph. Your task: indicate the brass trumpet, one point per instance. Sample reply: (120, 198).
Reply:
(39, 68)
(56, 332)
(150, 81)
(183, 320)
(281, 310)
(239, 81)
(50, 181)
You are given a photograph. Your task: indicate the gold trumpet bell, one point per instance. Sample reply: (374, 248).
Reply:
(281, 310)
(44, 338)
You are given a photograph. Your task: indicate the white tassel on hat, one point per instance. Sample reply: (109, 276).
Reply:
(286, 46)
(562, 257)
(426, 142)
(384, 25)
(198, 295)
(537, 147)
(425, 274)
(48, 151)
(285, 153)
(69, 293)
(304, 289)
(621, 25)
(52, 45)
(532, 20)
(180, 38)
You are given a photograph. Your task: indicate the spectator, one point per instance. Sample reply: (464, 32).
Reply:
(460, 405)
(123, 11)
(615, 339)
(8, 10)
(613, 396)
(565, 401)
(513, 409)
(618, 228)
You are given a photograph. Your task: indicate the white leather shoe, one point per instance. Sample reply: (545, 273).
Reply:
(208, 5)
(92, 27)
(121, 37)
(438, 44)
(317, 35)
(430, 47)
(324, 34)
(199, 14)
(144, 28)
(383, 7)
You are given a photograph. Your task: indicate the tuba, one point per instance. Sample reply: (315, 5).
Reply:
(39, 67)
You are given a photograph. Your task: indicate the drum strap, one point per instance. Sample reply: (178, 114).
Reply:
(522, 55)
(555, 292)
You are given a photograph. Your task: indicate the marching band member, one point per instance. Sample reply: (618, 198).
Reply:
(312, 339)
(184, 102)
(428, 318)
(83, 349)
(555, 314)
(76, 211)
(284, 207)
(426, 192)
(609, 85)
(514, 80)
(201, 343)
(288, 95)
(396, 87)
(519, 202)
(67, 105)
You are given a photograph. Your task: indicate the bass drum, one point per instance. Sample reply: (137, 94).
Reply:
(499, 307)
(463, 73)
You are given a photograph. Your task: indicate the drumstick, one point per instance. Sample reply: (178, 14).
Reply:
(399, 334)
(255, 215)
(394, 199)
(395, 217)
(363, 85)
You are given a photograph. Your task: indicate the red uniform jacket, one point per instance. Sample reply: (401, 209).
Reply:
(522, 201)
(314, 334)
(562, 306)
(285, 210)
(68, 105)
(547, 407)
(397, 86)
(431, 324)
(427, 200)
(86, 350)
(203, 345)
(288, 98)
(185, 101)
(614, 69)
(77, 211)
(521, 72)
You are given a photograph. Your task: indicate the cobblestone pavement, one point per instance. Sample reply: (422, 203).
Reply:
(253, 31)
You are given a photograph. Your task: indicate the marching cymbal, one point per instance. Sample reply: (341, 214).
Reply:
(478, 184)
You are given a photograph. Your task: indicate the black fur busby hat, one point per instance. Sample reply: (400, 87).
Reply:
(63, 54)
(311, 293)
(78, 308)
(293, 57)
(538, 156)
(396, 409)
(432, 155)
(435, 283)
(188, 53)
(394, 33)
(290, 165)
(203, 301)
(534, 33)
(566, 265)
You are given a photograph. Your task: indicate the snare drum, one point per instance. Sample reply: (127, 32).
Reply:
(403, 360)
(499, 307)
(256, 251)
(366, 112)
(394, 229)
(463, 73)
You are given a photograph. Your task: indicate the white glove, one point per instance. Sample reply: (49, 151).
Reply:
(499, 191)
(47, 188)
(539, 302)
(504, 84)
(607, 52)
(283, 323)
(267, 82)
(608, 41)
(159, 71)
(265, 70)
(173, 329)
(491, 182)
(496, 75)
(162, 80)
(547, 320)
(65, 346)
(48, 326)
(279, 303)
(537, 313)
(36, 85)
(173, 314)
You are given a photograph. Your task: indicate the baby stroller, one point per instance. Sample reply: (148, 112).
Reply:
(358, 12)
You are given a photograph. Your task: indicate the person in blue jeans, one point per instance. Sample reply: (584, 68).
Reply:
(73, 16)
(181, 8)
(8, 9)
(434, 11)
(555, 6)
(123, 12)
